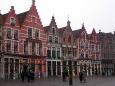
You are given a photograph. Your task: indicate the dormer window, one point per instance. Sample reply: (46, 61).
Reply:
(12, 21)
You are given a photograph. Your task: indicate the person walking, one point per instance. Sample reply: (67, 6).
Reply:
(81, 76)
(84, 76)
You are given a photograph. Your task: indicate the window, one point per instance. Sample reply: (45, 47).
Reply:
(25, 47)
(64, 51)
(33, 49)
(56, 40)
(37, 34)
(53, 53)
(53, 30)
(58, 53)
(15, 46)
(33, 19)
(86, 55)
(8, 46)
(69, 39)
(82, 44)
(12, 21)
(29, 32)
(8, 33)
(50, 39)
(49, 53)
(69, 51)
(15, 34)
(74, 51)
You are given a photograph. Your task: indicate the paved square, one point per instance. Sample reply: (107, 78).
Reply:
(91, 81)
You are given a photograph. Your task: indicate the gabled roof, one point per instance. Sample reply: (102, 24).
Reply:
(46, 28)
(53, 21)
(3, 18)
(93, 32)
(76, 33)
(61, 30)
(22, 16)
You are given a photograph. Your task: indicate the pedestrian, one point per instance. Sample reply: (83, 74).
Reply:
(84, 76)
(64, 76)
(81, 76)
(22, 76)
(28, 75)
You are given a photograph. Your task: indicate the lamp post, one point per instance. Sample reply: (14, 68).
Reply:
(70, 71)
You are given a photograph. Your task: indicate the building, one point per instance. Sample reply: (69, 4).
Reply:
(54, 56)
(23, 42)
(107, 52)
(88, 51)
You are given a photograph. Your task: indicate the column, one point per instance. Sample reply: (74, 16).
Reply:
(46, 68)
(14, 75)
(51, 68)
(97, 69)
(56, 68)
(56, 52)
(51, 52)
(61, 67)
(100, 69)
(90, 69)
(8, 68)
(87, 69)
(2, 68)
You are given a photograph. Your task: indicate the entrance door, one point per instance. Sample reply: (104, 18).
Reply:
(58, 68)
(49, 68)
(11, 68)
(6, 68)
(54, 68)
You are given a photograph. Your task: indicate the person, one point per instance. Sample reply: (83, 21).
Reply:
(81, 76)
(84, 76)
(22, 76)
(64, 76)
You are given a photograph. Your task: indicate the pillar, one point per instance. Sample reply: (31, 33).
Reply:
(56, 68)
(51, 68)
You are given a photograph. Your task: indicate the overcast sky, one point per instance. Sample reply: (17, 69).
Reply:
(98, 14)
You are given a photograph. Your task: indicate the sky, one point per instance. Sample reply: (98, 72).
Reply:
(98, 14)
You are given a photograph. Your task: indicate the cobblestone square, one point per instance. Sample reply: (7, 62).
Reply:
(91, 81)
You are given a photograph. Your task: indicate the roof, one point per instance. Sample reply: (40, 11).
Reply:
(76, 33)
(61, 30)
(3, 18)
(22, 16)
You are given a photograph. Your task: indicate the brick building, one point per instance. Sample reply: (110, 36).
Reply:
(23, 42)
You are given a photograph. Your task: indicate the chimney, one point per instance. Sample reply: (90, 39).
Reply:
(33, 2)
(12, 7)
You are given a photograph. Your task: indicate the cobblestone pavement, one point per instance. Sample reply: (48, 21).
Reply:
(91, 81)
